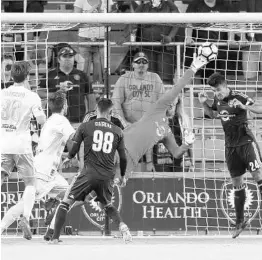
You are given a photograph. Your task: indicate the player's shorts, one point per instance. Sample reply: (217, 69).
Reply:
(84, 184)
(52, 188)
(242, 158)
(23, 162)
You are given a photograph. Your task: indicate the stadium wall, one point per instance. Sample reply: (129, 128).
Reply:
(152, 202)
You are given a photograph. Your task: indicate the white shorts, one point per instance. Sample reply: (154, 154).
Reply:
(23, 162)
(52, 187)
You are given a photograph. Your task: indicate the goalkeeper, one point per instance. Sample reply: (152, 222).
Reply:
(153, 126)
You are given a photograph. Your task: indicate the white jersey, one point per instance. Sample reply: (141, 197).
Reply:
(53, 138)
(18, 106)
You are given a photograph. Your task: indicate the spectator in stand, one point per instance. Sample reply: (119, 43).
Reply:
(162, 58)
(252, 54)
(163, 160)
(192, 36)
(75, 82)
(6, 64)
(92, 53)
(136, 91)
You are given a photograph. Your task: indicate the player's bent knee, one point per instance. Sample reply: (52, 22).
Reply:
(238, 181)
(29, 181)
(68, 201)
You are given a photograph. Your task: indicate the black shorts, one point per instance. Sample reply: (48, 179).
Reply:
(84, 184)
(242, 158)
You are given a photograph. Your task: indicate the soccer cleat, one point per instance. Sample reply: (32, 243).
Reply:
(48, 234)
(239, 228)
(127, 237)
(24, 225)
(54, 241)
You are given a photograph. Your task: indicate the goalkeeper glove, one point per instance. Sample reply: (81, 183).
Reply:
(189, 138)
(198, 62)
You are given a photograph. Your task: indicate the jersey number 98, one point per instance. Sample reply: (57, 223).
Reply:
(102, 141)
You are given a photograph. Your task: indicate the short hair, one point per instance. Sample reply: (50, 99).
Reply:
(216, 79)
(104, 105)
(57, 101)
(19, 71)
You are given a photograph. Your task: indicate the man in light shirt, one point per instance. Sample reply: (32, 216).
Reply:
(18, 106)
(134, 94)
(136, 91)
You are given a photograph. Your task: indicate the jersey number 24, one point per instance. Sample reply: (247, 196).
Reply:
(102, 141)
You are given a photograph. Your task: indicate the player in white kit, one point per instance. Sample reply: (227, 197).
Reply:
(55, 134)
(18, 106)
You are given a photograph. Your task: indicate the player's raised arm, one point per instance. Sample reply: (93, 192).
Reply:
(74, 144)
(168, 98)
(209, 111)
(249, 105)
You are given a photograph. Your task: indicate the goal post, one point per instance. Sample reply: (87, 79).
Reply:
(197, 197)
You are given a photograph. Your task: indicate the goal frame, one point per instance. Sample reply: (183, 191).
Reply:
(132, 18)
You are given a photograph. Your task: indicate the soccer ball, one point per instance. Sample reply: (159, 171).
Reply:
(208, 50)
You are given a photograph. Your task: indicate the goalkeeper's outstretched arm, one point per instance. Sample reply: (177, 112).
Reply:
(168, 98)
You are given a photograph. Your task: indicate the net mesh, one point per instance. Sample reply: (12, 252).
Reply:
(189, 195)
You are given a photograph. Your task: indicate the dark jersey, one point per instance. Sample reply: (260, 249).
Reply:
(79, 86)
(116, 119)
(234, 120)
(101, 140)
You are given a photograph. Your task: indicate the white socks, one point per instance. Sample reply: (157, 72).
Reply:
(11, 215)
(29, 201)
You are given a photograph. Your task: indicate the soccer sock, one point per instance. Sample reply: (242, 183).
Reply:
(259, 184)
(240, 198)
(60, 219)
(54, 214)
(11, 215)
(29, 201)
(77, 203)
(113, 213)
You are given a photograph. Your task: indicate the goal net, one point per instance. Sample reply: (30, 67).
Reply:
(193, 195)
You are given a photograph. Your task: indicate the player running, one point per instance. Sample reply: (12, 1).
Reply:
(18, 106)
(101, 141)
(241, 151)
(56, 133)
